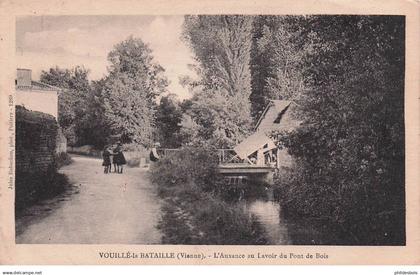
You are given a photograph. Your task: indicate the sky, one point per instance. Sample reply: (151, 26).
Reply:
(43, 42)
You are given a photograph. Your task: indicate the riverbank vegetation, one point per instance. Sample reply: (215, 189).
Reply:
(349, 150)
(195, 211)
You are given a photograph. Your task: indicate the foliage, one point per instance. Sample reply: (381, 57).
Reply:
(221, 45)
(130, 90)
(85, 150)
(189, 131)
(207, 221)
(72, 100)
(350, 149)
(95, 124)
(168, 121)
(188, 165)
(122, 104)
(215, 120)
(276, 60)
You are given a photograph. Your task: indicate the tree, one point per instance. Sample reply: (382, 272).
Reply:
(221, 45)
(72, 100)
(168, 121)
(350, 148)
(276, 60)
(95, 124)
(131, 89)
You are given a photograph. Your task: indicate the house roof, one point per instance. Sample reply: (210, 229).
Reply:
(276, 116)
(275, 107)
(35, 85)
(253, 143)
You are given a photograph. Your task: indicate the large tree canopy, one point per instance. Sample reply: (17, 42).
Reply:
(277, 60)
(221, 45)
(168, 121)
(350, 148)
(131, 89)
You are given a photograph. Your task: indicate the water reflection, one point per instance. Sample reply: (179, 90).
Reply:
(268, 214)
(256, 197)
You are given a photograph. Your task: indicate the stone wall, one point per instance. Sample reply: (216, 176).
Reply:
(36, 136)
(61, 142)
(36, 171)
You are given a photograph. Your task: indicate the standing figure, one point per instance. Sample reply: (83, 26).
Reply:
(154, 156)
(114, 158)
(119, 159)
(106, 156)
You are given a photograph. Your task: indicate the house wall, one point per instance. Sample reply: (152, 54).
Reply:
(24, 78)
(41, 101)
(287, 123)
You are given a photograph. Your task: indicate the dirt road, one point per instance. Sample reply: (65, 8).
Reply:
(100, 209)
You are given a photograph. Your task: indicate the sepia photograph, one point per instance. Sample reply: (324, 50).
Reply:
(210, 130)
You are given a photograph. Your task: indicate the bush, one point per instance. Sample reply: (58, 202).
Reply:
(32, 187)
(359, 213)
(85, 150)
(350, 146)
(191, 216)
(194, 211)
(188, 165)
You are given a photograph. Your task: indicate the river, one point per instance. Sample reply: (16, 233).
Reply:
(279, 229)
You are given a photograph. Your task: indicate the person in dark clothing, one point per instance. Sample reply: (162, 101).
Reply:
(106, 156)
(154, 156)
(114, 158)
(119, 159)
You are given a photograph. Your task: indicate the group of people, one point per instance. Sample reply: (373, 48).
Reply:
(113, 154)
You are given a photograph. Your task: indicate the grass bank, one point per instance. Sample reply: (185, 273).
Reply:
(194, 210)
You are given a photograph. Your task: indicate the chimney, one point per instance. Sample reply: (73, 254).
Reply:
(24, 78)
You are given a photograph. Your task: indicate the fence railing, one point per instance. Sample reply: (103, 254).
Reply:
(224, 156)
(228, 156)
(166, 152)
